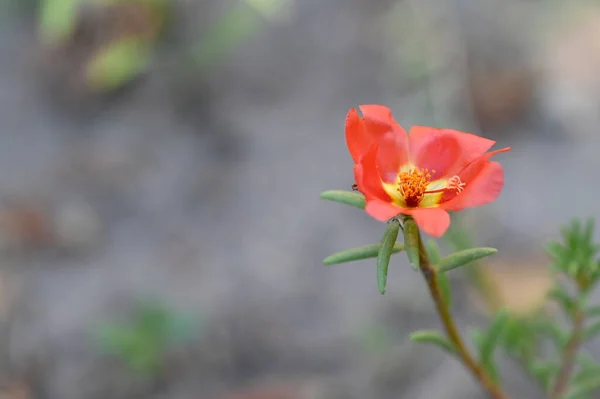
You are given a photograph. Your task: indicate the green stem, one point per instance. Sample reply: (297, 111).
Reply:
(431, 277)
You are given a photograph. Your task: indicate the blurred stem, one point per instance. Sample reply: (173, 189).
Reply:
(568, 361)
(431, 277)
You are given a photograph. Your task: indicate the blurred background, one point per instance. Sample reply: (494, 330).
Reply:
(161, 233)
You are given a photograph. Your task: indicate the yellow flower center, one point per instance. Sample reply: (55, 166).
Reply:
(416, 188)
(413, 184)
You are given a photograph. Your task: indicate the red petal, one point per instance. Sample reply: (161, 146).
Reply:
(433, 221)
(392, 153)
(484, 181)
(363, 132)
(444, 150)
(381, 210)
(367, 177)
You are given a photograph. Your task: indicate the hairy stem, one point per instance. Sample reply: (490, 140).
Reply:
(431, 277)
(568, 361)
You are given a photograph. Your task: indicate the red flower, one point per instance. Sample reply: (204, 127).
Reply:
(423, 174)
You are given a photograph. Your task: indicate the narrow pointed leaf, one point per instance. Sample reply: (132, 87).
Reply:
(563, 298)
(583, 387)
(493, 336)
(435, 338)
(477, 337)
(464, 257)
(117, 63)
(411, 242)
(543, 371)
(434, 252)
(358, 253)
(385, 253)
(492, 370)
(553, 331)
(345, 197)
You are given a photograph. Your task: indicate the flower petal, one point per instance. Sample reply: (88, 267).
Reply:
(367, 178)
(484, 181)
(383, 211)
(433, 221)
(392, 154)
(444, 150)
(363, 132)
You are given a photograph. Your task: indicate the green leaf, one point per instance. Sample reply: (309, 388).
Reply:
(493, 336)
(586, 361)
(586, 374)
(57, 18)
(560, 295)
(117, 64)
(345, 197)
(592, 331)
(584, 386)
(385, 253)
(550, 329)
(464, 257)
(477, 336)
(411, 242)
(234, 27)
(358, 253)
(492, 370)
(543, 371)
(434, 252)
(433, 337)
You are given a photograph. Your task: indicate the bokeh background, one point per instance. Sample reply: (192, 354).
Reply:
(161, 233)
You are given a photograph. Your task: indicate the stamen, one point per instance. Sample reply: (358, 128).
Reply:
(412, 185)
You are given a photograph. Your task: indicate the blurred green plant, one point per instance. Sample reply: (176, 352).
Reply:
(128, 46)
(235, 26)
(143, 342)
(548, 351)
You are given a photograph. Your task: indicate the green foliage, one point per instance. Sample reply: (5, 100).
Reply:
(464, 257)
(576, 255)
(435, 338)
(345, 197)
(538, 342)
(118, 63)
(142, 343)
(232, 29)
(544, 372)
(584, 386)
(411, 241)
(560, 295)
(385, 253)
(490, 341)
(57, 18)
(359, 253)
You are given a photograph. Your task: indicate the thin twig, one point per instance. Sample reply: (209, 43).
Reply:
(431, 277)
(568, 363)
